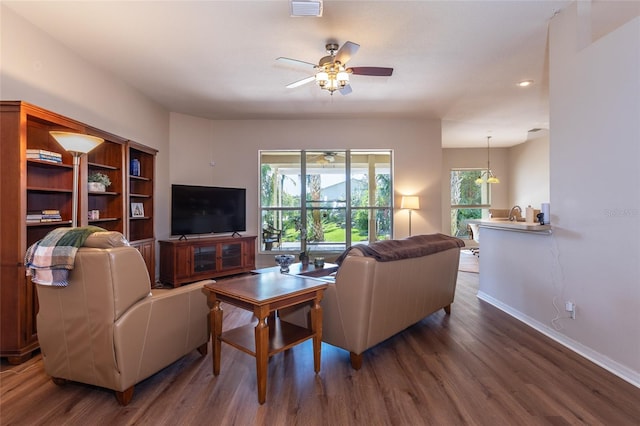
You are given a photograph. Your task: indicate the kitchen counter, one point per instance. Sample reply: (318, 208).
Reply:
(507, 225)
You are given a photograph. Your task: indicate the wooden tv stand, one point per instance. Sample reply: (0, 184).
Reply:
(185, 261)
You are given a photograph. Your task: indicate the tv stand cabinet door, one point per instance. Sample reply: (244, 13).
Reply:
(176, 265)
(232, 255)
(183, 264)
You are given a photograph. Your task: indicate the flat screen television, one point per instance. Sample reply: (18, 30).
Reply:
(207, 210)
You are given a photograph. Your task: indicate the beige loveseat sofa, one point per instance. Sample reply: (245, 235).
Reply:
(108, 328)
(375, 297)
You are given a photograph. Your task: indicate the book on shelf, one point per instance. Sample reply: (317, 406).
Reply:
(44, 152)
(50, 215)
(44, 155)
(43, 220)
(44, 158)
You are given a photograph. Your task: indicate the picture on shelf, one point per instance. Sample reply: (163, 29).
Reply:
(137, 210)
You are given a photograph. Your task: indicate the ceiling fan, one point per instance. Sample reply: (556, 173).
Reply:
(331, 71)
(327, 157)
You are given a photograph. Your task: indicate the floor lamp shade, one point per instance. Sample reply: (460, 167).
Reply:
(411, 202)
(76, 144)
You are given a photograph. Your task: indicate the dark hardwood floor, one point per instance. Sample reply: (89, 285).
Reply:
(476, 367)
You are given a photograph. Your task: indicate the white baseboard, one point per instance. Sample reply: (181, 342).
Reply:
(603, 361)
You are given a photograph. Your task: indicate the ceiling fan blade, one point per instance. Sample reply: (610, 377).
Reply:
(347, 50)
(296, 62)
(375, 71)
(301, 82)
(346, 90)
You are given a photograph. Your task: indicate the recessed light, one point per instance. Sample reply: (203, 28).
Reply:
(525, 83)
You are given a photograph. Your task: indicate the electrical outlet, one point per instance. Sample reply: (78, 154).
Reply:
(570, 307)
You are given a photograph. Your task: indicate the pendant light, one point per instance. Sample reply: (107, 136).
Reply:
(488, 174)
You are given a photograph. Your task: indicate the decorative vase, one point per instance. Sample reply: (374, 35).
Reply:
(304, 258)
(97, 187)
(284, 260)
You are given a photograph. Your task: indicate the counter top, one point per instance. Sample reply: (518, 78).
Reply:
(507, 225)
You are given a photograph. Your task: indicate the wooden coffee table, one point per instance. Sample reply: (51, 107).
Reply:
(263, 294)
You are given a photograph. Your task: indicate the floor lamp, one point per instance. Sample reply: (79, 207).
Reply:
(410, 202)
(76, 144)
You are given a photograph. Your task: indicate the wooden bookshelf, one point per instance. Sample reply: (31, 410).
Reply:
(141, 192)
(33, 185)
(108, 158)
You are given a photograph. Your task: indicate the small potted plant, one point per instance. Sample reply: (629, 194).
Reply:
(98, 182)
(304, 257)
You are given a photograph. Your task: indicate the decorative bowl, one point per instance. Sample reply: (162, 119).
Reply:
(284, 260)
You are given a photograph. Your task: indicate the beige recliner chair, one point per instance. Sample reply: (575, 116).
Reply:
(108, 328)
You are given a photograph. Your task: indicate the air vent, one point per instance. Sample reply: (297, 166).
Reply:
(306, 8)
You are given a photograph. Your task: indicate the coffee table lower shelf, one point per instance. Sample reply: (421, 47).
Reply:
(264, 295)
(282, 336)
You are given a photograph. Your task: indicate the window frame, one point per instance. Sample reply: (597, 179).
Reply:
(304, 206)
(483, 207)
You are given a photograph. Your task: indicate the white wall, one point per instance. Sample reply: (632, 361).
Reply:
(37, 69)
(595, 110)
(528, 177)
(593, 256)
(233, 145)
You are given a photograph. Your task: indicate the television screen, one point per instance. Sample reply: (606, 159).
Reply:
(207, 209)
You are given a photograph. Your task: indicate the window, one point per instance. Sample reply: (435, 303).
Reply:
(325, 200)
(468, 199)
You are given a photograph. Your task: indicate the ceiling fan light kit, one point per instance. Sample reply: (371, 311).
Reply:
(332, 77)
(306, 8)
(331, 71)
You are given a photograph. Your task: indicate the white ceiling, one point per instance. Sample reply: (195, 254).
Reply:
(458, 61)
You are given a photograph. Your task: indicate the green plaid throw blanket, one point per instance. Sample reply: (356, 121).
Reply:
(49, 260)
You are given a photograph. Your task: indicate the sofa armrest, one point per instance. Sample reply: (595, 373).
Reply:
(159, 330)
(347, 304)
